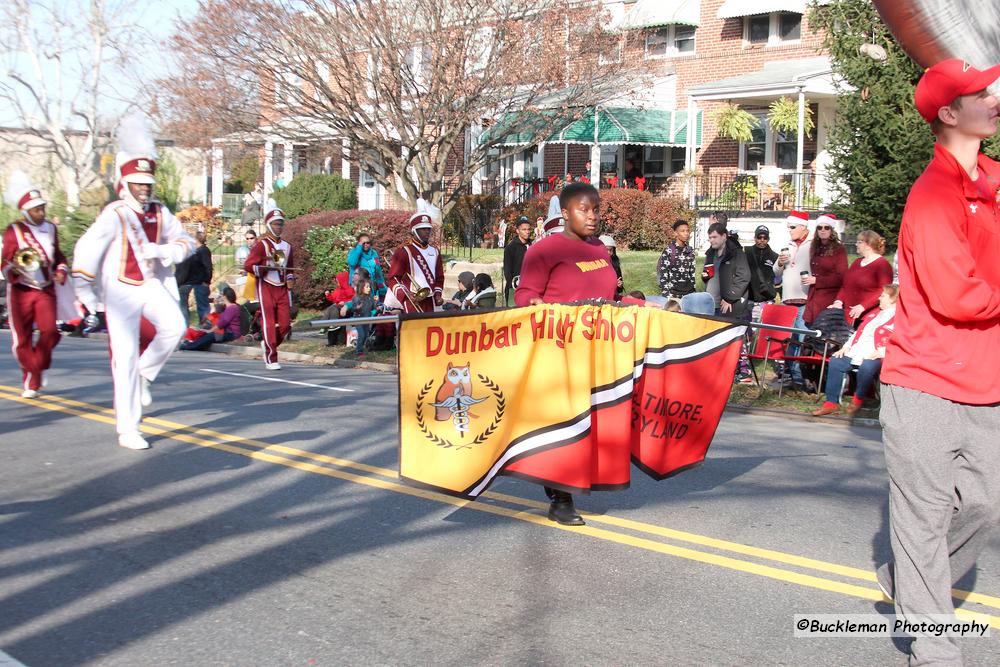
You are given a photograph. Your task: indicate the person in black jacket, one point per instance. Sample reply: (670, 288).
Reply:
(195, 274)
(761, 259)
(726, 274)
(513, 257)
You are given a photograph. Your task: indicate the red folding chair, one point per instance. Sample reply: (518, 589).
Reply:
(770, 344)
(814, 359)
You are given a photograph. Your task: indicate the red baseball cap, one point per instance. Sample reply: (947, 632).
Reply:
(943, 83)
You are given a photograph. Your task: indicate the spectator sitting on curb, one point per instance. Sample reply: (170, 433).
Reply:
(465, 288)
(672, 306)
(484, 296)
(362, 305)
(338, 297)
(226, 328)
(864, 351)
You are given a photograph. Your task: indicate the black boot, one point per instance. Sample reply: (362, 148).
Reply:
(561, 509)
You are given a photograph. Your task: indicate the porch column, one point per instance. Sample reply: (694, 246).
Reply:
(475, 133)
(217, 177)
(288, 166)
(690, 189)
(595, 153)
(540, 161)
(345, 161)
(268, 170)
(799, 149)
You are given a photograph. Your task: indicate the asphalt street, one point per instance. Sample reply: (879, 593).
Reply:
(266, 527)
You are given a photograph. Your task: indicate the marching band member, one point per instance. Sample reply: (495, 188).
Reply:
(554, 223)
(269, 263)
(125, 260)
(32, 262)
(416, 274)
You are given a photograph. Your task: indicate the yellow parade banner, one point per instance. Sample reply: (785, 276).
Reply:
(564, 395)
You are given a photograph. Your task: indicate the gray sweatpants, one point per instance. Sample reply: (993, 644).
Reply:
(943, 460)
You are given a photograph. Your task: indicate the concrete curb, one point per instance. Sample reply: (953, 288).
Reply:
(843, 422)
(256, 353)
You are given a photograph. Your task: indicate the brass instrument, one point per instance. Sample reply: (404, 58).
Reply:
(418, 293)
(278, 259)
(26, 262)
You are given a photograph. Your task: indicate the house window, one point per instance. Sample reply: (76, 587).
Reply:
(683, 38)
(653, 160)
(789, 26)
(530, 167)
(758, 29)
(678, 159)
(755, 150)
(656, 43)
(785, 149)
(611, 50)
(670, 40)
(772, 29)
(609, 160)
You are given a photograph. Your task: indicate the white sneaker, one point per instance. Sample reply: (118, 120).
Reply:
(145, 397)
(273, 367)
(132, 441)
(45, 379)
(29, 393)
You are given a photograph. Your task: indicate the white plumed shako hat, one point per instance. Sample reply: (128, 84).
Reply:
(136, 158)
(21, 193)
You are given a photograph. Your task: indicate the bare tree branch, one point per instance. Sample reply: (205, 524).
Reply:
(403, 82)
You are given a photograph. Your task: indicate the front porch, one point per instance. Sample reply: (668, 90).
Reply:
(777, 168)
(283, 150)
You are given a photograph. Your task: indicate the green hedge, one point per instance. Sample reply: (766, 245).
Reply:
(313, 193)
(635, 219)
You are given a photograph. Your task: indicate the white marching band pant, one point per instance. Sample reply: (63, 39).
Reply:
(127, 264)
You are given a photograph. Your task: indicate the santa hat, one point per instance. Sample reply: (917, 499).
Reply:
(828, 219)
(422, 219)
(21, 193)
(554, 219)
(797, 218)
(136, 158)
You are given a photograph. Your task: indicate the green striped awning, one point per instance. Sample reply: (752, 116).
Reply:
(618, 125)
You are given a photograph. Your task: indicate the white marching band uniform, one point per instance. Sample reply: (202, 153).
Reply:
(125, 261)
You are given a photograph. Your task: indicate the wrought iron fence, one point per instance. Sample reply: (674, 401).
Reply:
(752, 192)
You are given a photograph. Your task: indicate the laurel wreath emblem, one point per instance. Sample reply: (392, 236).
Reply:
(479, 439)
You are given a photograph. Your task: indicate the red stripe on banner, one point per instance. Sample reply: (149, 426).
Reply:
(676, 411)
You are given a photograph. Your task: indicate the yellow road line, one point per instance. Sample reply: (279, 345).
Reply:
(175, 431)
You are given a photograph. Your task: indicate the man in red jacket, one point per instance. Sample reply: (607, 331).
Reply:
(941, 400)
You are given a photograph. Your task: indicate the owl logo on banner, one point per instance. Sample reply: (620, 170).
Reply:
(453, 416)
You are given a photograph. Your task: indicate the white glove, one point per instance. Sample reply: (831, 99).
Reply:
(152, 251)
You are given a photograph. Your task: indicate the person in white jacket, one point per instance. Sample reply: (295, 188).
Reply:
(791, 271)
(125, 260)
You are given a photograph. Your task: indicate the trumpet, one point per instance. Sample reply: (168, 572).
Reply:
(26, 262)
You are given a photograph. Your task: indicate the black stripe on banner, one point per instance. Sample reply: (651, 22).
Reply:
(657, 476)
(541, 448)
(671, 362)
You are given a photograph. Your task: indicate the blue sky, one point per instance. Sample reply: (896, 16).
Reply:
(155, 16)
